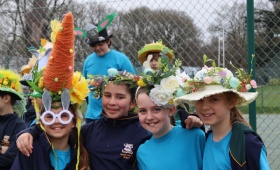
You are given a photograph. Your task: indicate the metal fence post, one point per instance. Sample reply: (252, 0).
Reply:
(251, 61)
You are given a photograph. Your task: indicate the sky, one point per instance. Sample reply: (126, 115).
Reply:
(202, 11)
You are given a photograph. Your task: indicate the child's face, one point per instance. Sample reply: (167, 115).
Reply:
(101, 48)
(214, 110)
(154, 61)
(116, 101)
(58, 130)
(153, 118)
(39, 102)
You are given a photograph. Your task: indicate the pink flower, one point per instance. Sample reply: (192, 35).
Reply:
(253, 83)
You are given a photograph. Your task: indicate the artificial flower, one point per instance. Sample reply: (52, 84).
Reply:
(79, 89)
(170, 83)
(55, 26)
(160, 96)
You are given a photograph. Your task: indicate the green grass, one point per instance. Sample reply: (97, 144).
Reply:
(268, 100)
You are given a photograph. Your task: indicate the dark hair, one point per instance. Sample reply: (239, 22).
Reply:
(235, 114)
(12, 96)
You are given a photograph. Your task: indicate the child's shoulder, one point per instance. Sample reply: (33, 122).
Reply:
(193, 131)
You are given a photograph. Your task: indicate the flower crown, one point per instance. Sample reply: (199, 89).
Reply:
(117, 77)
(219, 76)
(162, 85)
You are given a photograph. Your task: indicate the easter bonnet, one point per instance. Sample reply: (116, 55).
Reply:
(215, 80)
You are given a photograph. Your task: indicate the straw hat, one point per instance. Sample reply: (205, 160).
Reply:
(217, 80)
(156, 47)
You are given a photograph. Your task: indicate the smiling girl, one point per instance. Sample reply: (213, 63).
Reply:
(231, 143)
(171, 147)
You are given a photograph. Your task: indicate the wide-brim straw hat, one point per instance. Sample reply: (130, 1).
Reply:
(209, 90)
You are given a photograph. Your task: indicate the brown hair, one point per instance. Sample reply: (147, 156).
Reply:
(235, 114)
(156, 55)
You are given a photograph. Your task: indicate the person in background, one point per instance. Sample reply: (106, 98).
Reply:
(216, 94)
(97, 63)
(29, 71)
(10, 124)
(177, 148)
(149, 56)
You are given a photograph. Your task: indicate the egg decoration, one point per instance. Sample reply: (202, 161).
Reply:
(207, 80)
(147, 70)
(234, 82)
(112, 72)
(248, 86)
(180, 93)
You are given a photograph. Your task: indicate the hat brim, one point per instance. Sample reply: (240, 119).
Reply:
(94, 43)
(143, 56)
(17, 95)
(24, 82)
(209, 90)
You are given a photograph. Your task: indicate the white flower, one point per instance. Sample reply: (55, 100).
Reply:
(160, 96)
(170, 83)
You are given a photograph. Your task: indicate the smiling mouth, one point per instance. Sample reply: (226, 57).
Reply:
(208, 115)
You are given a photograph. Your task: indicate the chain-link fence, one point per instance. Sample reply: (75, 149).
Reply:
(216, 28)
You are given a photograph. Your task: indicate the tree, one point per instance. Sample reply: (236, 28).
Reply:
(142, 25)
(231, 19)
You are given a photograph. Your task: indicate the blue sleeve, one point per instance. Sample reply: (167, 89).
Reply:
(127, 65)
(264, 165)
(84, 68)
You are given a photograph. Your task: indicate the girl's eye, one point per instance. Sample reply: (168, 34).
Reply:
(157, 109)
(213, 99)
(106, 95)
(142, 111)
(120, 97)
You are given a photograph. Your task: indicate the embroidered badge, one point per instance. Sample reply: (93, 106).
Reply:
(5, 141)
(127, 152)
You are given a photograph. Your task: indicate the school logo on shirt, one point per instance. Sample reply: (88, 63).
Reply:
(5, 141)
(127, 152)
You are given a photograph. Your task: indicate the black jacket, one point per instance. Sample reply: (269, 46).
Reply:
(10, 125)
(112, 144)
(40, 156)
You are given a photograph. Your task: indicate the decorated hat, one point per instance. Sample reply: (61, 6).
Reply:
(162, 84)
(156, 47)
(25, 69)
(216, 80)
(97, 83)
(9, 82)
(58, 82)
(98, 33)
(38, 61)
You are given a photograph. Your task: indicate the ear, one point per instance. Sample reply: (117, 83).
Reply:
(7, 98)
(132, 104)
(171, 111)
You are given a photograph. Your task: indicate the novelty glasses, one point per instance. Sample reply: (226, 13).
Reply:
(64, 117)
